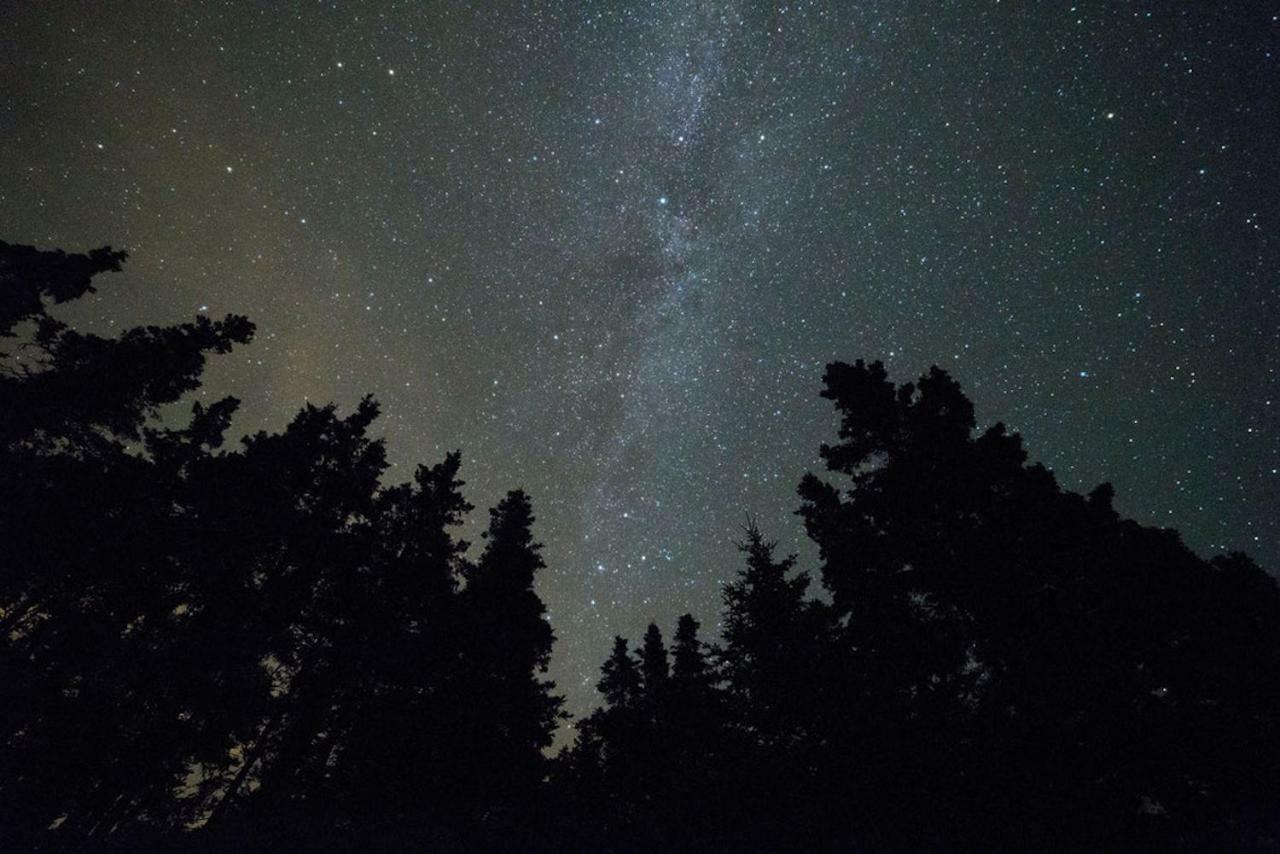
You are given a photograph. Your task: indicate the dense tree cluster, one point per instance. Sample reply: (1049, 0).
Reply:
(267, 647)
(264, 643)
(995, 664)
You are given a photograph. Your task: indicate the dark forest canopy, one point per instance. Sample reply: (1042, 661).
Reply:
(266, 648)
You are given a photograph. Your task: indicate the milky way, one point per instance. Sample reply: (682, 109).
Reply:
(606, 249)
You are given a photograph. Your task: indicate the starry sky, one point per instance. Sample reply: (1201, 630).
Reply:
(607, 248)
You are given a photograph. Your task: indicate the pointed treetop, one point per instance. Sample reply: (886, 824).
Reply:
(620, 676)
(689, 660)
(653, 659)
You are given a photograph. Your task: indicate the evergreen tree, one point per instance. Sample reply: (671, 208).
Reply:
(271, 645)
(708, 759)
(314, 488)
(393, 778)
(620, 679)
(515, 710)
(89, 583)
(597, 778)
(1011, 649)
(75, 394)
(688, 655)
(768, 642)
(654, 667)
(264, 642)
(30, 276)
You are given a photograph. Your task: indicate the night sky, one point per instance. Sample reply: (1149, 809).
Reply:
(607, 249)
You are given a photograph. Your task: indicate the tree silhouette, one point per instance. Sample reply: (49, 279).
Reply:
(264, 643)
(1049, 659)
(1001, 664)
(596, 778)
(513, 710)
(620, 679)
(29, 276)
(62, 390)
(95, 734)
(655, 669)
(768, 638)
(267, 647)
(689, 659)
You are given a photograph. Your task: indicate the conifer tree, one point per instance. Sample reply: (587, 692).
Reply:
(509, 648)
(1010, 648)
(270, 645)
(92, 572)
(688, 656)
(620, 679)
(654, 667)
(768, 640)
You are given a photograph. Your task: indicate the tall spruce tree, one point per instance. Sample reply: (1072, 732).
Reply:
(768, 642)
(620, 678)
(515, 710)
(655, 669)
(689, 659)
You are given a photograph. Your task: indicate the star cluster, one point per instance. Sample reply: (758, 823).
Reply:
(607, 248)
